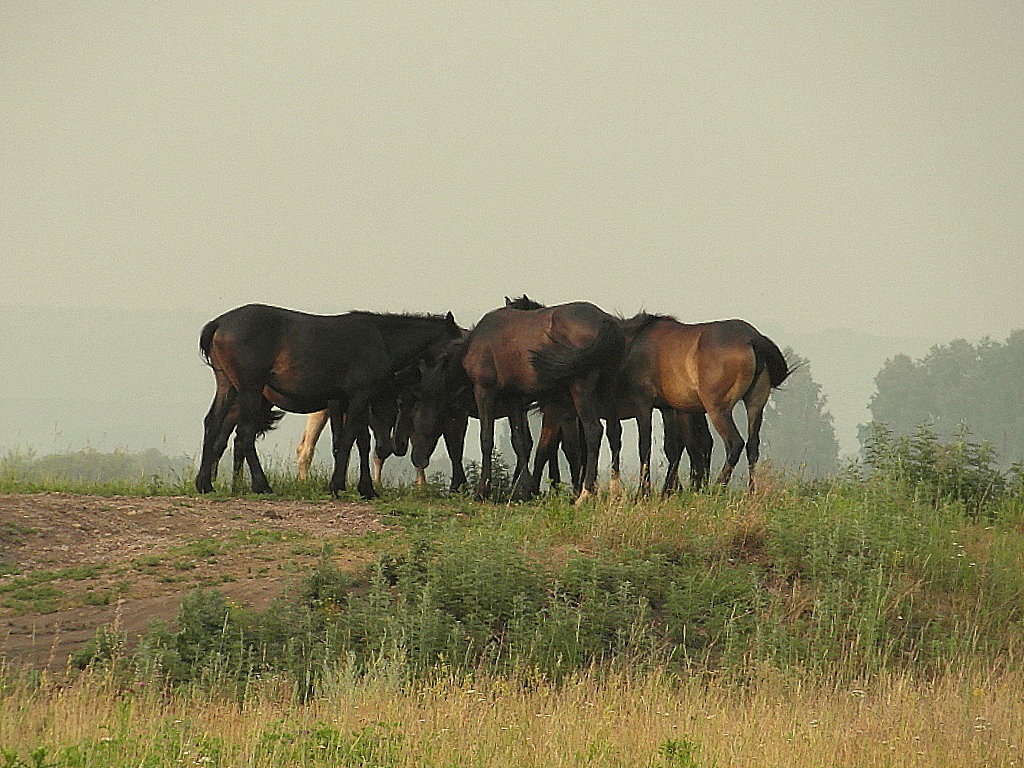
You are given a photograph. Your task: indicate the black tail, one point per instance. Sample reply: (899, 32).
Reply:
(769, 356)
(559, 362)
(206, 339)
(268, 419)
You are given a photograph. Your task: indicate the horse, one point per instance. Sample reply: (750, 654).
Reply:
(689, 432)
(514, 358)
(449, 417)
(702, 368)
(400, 430)
(264, 356)
(682, 431)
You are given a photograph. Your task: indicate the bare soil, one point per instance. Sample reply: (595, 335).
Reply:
(71, 564)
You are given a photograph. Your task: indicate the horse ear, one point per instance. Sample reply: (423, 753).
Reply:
(450, 318)
(508, 302)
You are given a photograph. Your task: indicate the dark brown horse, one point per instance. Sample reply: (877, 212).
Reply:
(515, 358)
(397, 424)
(686, 432)
(447, 416)
(683, 432)
(702, 368)
(267, 356)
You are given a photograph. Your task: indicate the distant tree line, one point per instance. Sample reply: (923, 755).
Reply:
(955, 385)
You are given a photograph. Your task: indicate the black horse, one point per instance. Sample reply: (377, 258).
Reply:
(266, 356)
(515, 358)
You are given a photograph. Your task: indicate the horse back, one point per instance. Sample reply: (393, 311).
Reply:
(701, 365)
(506, 347)
(307, 356)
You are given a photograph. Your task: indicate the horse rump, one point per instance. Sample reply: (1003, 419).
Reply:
(559, 361)
(769, 356)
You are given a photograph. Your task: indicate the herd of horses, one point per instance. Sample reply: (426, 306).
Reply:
(411, 379)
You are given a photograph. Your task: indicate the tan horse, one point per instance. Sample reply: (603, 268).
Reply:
(703, 368)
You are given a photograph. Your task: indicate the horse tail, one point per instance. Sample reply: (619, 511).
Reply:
(206, 339)
(770, 357)
(268, 419)
(560, 361)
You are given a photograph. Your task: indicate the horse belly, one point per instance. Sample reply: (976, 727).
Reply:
(679, 388)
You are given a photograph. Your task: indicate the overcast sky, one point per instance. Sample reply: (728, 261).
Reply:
(806, 166)
(803, 165)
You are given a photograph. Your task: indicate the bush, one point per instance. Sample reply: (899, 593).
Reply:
(961, 469)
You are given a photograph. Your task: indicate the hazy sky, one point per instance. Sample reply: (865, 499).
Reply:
(802, 165)
(806, 166)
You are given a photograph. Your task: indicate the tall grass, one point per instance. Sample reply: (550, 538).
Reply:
(595, 719)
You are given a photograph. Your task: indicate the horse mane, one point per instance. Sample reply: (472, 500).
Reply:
(638, 322)
(398, 316)
(523, 302)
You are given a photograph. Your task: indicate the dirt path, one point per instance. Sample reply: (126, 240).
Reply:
(69, 564)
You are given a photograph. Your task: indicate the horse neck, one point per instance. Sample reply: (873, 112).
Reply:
(407, 337)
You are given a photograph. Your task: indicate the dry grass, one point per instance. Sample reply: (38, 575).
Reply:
(593, 721)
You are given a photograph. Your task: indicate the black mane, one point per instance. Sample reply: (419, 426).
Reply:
(523, 302)
(640, 321)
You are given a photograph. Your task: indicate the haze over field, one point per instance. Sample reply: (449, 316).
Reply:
(849, 178)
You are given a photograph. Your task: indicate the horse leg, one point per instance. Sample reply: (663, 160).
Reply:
(227, 427)
(554, 471)
(614, 431)
(546, 444)
(699, 445)
(485, 411)
(454, 443)
(250, 404)
(643, 428)
(572, 447)
(353, 423)
(584, 398)
(339, 475)
(755, 401)
(721, 417)
(315, 424)
(673, 423)
(365, 485)
(523, 487)
(213, 426)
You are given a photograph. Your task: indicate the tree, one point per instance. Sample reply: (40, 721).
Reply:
(981, 386)
(798, 431)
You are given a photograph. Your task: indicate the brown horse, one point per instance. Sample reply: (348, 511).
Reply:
(451, 420)
(263, 356)
(515, 358)
(702, 368)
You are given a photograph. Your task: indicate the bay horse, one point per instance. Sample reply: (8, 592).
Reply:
(265, 356)
(702, 368)
(515, 358)
(682, 431)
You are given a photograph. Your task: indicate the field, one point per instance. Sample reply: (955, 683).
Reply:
(859, 622)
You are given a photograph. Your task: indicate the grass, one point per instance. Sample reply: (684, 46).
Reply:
(856, 622)
(596, 719)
